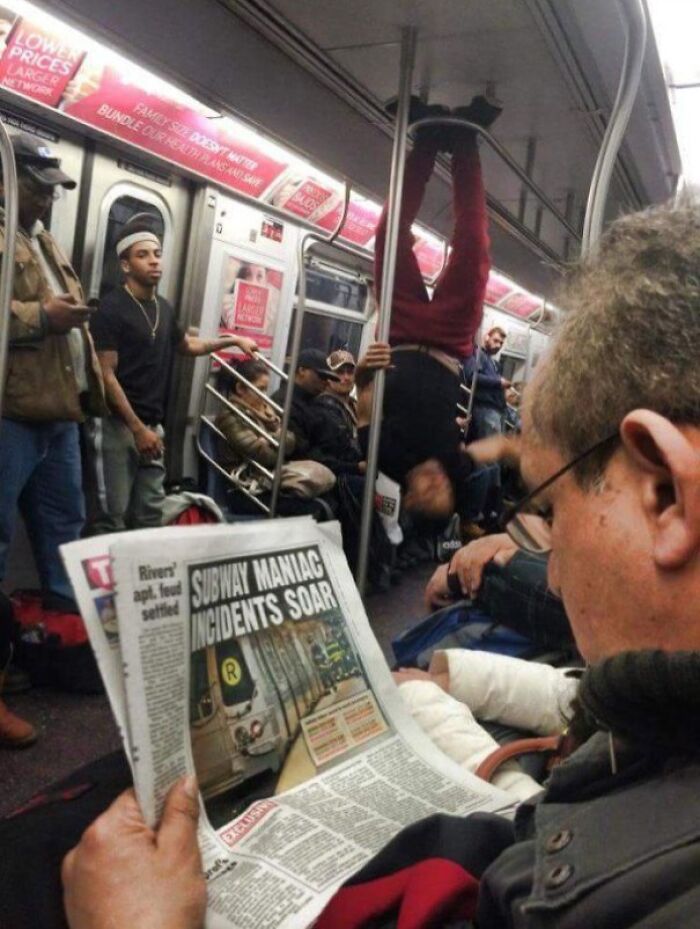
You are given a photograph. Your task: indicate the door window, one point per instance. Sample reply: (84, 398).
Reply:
(121, 211)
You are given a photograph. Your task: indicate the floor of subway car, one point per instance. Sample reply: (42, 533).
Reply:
(74, 730)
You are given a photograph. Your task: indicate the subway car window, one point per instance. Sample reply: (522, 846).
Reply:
(336, 290)
(328, 333)
(121, 211)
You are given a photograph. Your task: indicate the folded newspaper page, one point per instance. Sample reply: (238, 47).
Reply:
(245, 657)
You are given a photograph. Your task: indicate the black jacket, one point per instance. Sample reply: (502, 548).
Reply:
(595, 850)
(317, 434)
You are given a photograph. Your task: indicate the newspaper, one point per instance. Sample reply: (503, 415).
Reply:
(243, 654)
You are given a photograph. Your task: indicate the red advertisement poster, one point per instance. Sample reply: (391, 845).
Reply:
(305, 197)
(175, 132)
(250, 306)
(37, 64)
(496, 289)
(521, 304)
(250, 302)
(430, 257)
(360, 223)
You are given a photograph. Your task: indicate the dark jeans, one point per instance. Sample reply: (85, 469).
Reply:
(479, 493)
(40, 472)
(517, 596)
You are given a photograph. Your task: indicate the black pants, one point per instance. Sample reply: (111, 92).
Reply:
(418, 423)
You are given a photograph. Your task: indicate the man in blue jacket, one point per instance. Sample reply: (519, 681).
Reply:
(490, 400)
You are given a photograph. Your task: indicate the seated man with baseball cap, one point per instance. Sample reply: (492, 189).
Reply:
(340, 406)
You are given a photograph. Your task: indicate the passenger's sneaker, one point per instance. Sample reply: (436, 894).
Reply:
(418, 110)
(483, 110)
(14, 731)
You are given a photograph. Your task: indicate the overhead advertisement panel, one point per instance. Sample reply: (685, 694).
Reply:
(44, 60)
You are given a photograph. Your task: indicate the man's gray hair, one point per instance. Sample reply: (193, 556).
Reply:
(631, 336)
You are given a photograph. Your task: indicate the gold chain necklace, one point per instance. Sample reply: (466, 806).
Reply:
(153, 327)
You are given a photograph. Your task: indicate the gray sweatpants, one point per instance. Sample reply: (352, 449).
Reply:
(125, 490)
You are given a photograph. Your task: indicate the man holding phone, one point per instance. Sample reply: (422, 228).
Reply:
(53, 380)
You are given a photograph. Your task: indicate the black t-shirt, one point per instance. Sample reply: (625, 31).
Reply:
(145, 358)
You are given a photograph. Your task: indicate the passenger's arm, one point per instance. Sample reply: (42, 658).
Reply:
(32, 321)
(377, 356)
(469, 562)
(123, 874)
(148, 442)
(193, 346)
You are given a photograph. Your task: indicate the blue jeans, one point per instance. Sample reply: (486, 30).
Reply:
(40, 473)
(487, 421)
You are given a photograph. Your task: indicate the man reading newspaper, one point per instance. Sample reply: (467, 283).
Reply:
(614, 838)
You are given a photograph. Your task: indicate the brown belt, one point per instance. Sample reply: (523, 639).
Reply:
(447, 361)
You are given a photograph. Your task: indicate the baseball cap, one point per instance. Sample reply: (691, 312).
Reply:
(36, 158)
(315, 359)
(340, 357)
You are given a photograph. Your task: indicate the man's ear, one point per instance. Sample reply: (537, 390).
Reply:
(124, 265)
(669, 466)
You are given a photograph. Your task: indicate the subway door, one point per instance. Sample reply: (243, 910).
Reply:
(248, 279)
(115, 190)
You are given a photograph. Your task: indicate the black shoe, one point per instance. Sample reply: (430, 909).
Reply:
(418, 110)
(484, 111)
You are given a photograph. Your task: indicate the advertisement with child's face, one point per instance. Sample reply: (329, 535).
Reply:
(250, 301)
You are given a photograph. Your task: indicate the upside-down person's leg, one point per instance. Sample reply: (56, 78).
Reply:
(459, 293)
(409, 287)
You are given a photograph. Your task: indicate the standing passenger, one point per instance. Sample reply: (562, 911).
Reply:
(489, 407)
(136, 335)
(53, 380)
(430, 337)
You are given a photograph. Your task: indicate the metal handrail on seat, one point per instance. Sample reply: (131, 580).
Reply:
(306, 243)
(239, 377)
(220, 468)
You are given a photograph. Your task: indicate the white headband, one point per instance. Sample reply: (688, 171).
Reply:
(135, 237)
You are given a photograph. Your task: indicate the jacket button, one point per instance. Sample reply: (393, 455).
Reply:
(559, 840)
(558, 876)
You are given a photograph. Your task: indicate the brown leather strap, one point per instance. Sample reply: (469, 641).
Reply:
(493, 762)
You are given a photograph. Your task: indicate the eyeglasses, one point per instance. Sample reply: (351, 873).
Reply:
(530, 525)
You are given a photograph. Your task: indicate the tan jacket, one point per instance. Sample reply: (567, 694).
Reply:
(41, 385)
(243, 443)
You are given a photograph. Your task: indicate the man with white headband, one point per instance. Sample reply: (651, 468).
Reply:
(136, 335)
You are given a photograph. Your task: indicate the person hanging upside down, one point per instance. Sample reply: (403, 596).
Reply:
(430, 337)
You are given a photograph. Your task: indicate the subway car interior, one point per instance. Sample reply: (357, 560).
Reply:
(259, 140)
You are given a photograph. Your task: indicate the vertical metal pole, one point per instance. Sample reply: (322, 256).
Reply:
(634, 19)
(296, 346)
(7, 267)
(398, 159)
(475, 375)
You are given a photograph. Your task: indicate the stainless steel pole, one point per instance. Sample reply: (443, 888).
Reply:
(296, 347)
(634, 18)
(7, 266)
(398, 159)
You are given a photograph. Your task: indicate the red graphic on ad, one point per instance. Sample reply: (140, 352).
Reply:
(176, 133)
(521, 304)
(98, 572)
(250, 305)
(37, 64)
(307, 199)
(251, 296)
(430, 257)
(496, 289)
(360, 223)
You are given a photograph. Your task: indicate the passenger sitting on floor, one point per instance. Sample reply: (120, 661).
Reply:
(244, 444)
(430, 337)
(462, 684)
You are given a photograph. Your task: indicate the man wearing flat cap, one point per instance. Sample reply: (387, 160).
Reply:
(53, 380)
(137, 335)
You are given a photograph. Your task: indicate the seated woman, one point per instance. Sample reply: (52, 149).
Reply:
(301, 480)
